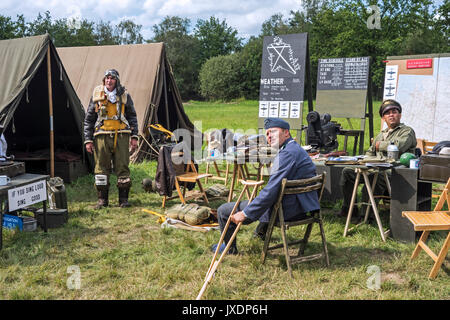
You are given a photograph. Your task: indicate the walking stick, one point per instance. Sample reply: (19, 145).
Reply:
(215, 264)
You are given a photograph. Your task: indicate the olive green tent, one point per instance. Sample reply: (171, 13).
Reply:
(40, 131)
(146, 74)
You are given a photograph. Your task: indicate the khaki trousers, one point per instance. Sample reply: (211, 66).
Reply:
(107, 160)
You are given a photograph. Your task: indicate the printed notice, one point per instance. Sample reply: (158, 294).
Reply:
(263, 109)
(295, 109)
(390, 82)
(27, 195)
(284, 109)
(273, 109)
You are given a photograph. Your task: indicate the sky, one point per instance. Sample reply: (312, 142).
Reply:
(246, 16)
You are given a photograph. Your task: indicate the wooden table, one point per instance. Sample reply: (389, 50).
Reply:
(21, 181)
(364, 171)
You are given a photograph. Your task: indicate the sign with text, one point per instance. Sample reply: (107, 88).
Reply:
(343, 73)
(27, 195)
(419, 63)
(282, 81)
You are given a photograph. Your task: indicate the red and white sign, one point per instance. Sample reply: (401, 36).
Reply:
(419, 63)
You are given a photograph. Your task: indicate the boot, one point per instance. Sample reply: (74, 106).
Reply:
(123, 197)
(102, 193)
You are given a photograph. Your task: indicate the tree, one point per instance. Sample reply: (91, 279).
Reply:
(129, 32)
(220, 77)
(183, 52)
(216, 38)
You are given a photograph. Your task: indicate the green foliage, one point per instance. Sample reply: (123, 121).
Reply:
(71, 32)
(216, 38)
(183, 53)
(220, 78)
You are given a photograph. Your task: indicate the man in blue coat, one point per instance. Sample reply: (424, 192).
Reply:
(291, 162)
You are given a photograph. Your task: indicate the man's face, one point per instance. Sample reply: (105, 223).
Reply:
(392, 118)
(110, 83)
(277, 136)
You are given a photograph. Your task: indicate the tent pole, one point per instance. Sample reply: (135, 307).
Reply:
(165, 98)
(50, 105)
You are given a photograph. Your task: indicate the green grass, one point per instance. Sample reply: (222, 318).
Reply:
(125, 254)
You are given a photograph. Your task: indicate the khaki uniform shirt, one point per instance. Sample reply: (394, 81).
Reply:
(403, 137)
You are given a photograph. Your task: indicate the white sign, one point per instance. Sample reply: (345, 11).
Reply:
(27, 195)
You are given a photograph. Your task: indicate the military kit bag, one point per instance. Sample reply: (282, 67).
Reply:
(217, 190)
(191, 213)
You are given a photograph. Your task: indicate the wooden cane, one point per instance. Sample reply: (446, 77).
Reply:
(215, 264)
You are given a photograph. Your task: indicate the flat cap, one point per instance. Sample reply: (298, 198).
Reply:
(389, 105)
(275, 123)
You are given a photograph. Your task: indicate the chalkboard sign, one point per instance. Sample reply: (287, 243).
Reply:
(342, 85)
(343, 74)
(343, 91)
(283, 78)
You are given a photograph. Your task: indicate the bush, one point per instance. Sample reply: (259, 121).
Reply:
(220, 78)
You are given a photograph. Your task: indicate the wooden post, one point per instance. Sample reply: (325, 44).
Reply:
(50, 107)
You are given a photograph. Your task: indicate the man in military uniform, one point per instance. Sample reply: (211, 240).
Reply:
(110, 133)
(291, 162)
(401, 135)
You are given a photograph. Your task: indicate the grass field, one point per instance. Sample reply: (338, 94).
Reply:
(125, 254)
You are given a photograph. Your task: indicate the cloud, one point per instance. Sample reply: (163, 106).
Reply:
(245, 16)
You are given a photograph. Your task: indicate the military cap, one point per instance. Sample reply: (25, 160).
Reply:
(275, 123)
(389, 105)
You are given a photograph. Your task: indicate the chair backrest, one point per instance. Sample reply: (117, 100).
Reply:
(425, 146)
(444, 197)
(304, 185)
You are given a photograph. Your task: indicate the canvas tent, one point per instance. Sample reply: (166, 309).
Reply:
(44, 133)
(144, 71)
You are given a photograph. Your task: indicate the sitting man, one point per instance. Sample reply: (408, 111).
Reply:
(401, 135)
(291, 162)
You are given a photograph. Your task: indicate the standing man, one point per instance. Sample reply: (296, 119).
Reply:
(401, 135)
(110, 133)
(291, 162)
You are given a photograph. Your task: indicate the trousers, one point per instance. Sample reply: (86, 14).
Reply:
(223, 212)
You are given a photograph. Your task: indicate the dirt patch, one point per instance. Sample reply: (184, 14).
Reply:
(392, 277)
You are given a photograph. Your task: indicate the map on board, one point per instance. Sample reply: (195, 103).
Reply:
(421, 86)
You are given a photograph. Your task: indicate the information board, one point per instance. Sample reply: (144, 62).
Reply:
(343, 74)
(420, 83)
(342, 85)
(282, 83)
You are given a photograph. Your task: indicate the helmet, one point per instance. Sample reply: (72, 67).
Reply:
(149, 185)
(406, 157)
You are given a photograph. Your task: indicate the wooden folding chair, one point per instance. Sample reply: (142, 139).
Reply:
(296, 187)
(428, 221)
(190, 176)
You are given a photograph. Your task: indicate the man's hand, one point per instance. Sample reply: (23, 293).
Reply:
(133, 144)
(238, 217)
(90, 147)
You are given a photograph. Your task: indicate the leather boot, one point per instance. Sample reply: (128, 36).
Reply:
(123, 197)
(102, 193)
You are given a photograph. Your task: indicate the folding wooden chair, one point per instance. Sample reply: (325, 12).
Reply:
(296, 187)
(428, 221)
(190, 176)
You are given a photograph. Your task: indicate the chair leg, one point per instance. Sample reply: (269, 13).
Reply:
(440, 259)
(304, 242)
(285, 245)
(180, 194)
(423, 239)
(205, 197)
(268, 236)
(324, 242)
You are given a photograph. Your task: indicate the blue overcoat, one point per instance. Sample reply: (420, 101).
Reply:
(292, 162)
